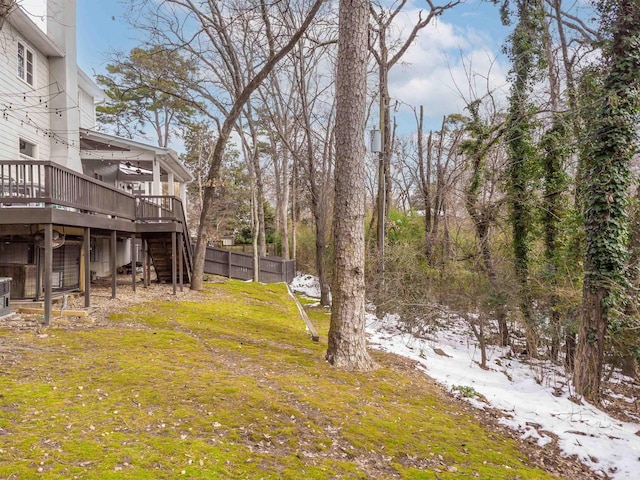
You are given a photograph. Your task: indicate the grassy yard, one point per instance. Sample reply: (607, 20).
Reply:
(230, 388)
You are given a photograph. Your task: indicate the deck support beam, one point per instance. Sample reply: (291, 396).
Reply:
(114, 273)
(180, 260)
(48, 271)
(145, 262)
(134, 261)
(174, 273)
(87, 267)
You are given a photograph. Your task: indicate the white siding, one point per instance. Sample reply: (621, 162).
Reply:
(87, 110)
(24, 110)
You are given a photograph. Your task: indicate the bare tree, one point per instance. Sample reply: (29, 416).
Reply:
(6, 7)
(388, 53)
(347, 341)
(318, 147)
(210, 33)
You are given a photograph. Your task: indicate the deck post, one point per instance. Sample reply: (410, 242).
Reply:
(48, 271)
(134, 261)
(174, 273)
(114, 273)
(87, 267)
(145, 273)
(38, 255)
(180, 259)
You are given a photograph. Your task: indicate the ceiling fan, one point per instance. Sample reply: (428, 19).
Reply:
(57, 239)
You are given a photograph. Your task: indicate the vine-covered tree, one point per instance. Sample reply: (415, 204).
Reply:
(525, 48)
(613, 142)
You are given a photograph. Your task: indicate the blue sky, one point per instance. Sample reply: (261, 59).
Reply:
(102, 28)
(433, 72)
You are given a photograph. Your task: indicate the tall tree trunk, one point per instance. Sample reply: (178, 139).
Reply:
(575, 121)
(262, 229)
(556, 152)
(385, 154)
(608, 175)
(255, 228)
(294, 209)
(525, 49)
(284, 206)
(425, 183)
(483, 216)
(318, 177)
(347, 339)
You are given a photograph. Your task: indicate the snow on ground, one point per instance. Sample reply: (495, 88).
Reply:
(536, 398)
(307, 285)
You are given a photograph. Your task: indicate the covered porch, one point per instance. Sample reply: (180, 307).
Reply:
(138, 168)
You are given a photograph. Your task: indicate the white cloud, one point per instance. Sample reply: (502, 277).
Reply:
(445, 66)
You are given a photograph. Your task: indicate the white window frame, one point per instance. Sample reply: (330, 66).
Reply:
(26, 68)
(34, 150)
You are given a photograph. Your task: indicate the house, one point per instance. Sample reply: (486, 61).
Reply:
(76, 203)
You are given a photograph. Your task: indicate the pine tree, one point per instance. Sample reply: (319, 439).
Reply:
(347, 341)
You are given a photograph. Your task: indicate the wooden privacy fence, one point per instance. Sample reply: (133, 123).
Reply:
(240, 266)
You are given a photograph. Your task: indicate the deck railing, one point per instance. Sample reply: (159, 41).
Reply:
(46, 184)
(160, 208)
(39, 183)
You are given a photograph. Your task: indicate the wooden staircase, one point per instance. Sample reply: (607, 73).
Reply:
(160, 251)
(160, 218)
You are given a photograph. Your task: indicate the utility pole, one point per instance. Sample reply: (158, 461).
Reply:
(376, 147)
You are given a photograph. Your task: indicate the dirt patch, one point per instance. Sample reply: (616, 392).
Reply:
(102, 304)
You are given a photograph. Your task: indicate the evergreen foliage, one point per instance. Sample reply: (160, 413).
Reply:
(148, 87)
(525, 50)
(613, 142)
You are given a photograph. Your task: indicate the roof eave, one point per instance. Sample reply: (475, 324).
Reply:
(33, 34)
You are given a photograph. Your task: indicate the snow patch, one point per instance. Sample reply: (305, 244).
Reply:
(535, 397)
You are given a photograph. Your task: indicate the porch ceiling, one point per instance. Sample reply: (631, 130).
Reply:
(89, 144)
(99, 145)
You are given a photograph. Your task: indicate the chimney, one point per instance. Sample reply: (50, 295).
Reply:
(63, 77)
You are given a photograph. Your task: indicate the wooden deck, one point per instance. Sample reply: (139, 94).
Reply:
(35, 196)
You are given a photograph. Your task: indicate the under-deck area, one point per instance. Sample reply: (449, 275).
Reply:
(55, 223)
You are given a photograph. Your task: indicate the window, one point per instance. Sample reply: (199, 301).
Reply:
(26, 60)
(27, 149)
